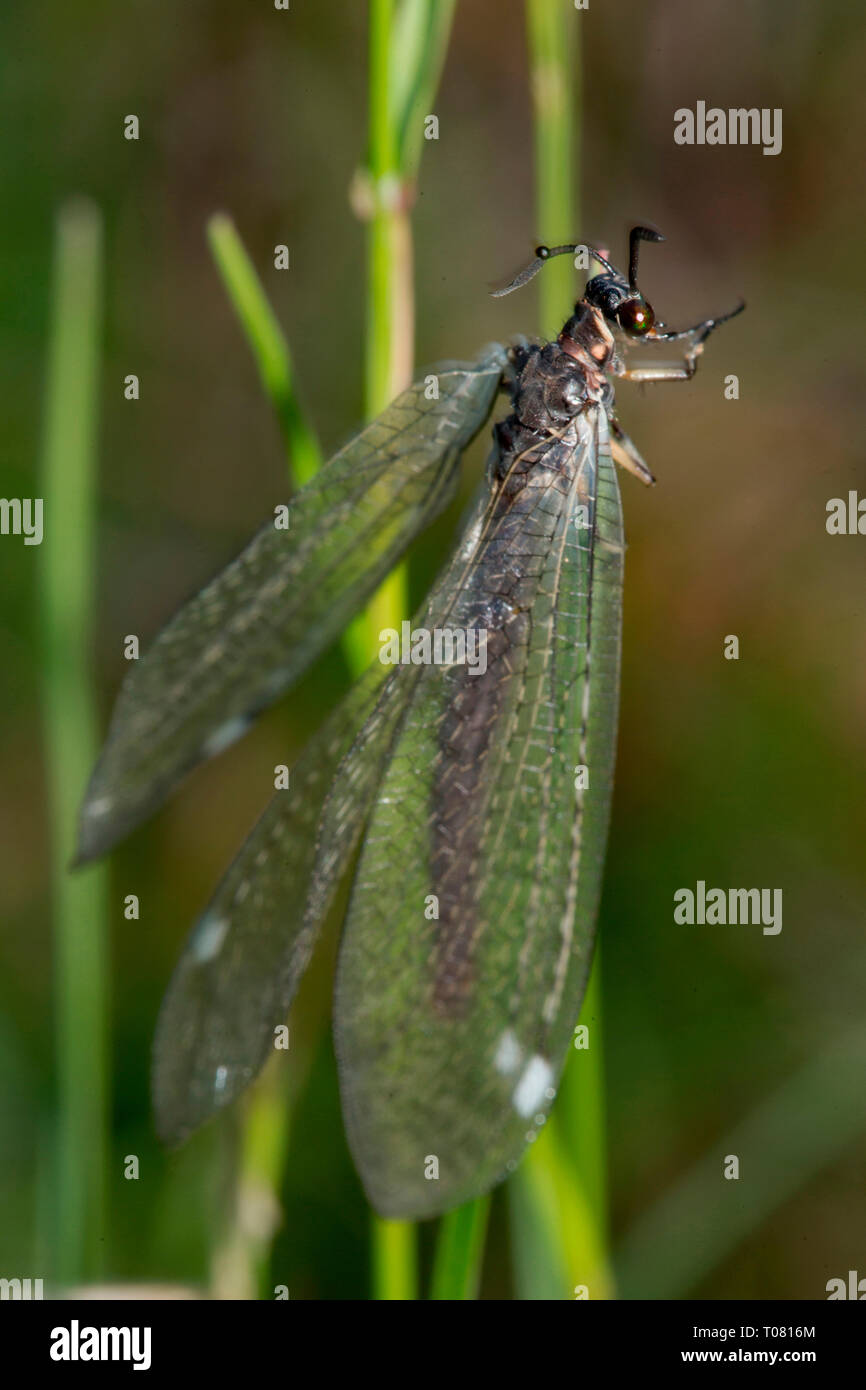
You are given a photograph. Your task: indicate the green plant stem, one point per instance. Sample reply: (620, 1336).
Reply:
(382, 286)
(553, 32)
(565, 1171)
(267, 343)
(460, 1251)
(70, 733)
(390, 339)
(559, 1195)
(581, 1113)
(394, 1260)
(241, 1261)
(557, 1250)
(390, 328)
(388, 358)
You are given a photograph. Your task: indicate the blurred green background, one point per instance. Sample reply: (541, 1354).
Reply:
(746, 773)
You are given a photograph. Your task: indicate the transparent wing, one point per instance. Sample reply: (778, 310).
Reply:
(469, 934)
(242, 641)
(244, 959)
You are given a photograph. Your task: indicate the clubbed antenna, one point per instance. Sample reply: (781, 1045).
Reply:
(544, 253)
(635, 237)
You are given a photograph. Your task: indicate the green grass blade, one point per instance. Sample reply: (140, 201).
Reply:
(580, 1111)
(553, 32)
(390, 325)
(70, 731)
(267, 343)
(388, 355)
(558, 1253)
(422, 29)
(241, 1261)
(460, 1251)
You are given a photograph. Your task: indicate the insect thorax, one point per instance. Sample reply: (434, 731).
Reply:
(552, 384)
(587, 341)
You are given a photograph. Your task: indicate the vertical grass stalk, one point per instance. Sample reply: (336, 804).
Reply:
(553, 35)
(255, 1150)
(67, 585)
(558, 1198)
(407, 47)
(388, 352)
(460, 1252)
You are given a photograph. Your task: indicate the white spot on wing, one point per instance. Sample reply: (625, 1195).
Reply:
(219, 1081)
(209, 938)
(224, 736)
(530, 1089)
(508, 1054)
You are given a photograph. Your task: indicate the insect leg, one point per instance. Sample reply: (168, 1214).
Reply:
(625, 453)
(700, 331)
(684, 371)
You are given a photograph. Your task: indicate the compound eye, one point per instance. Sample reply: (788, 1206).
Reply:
(636, 317)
